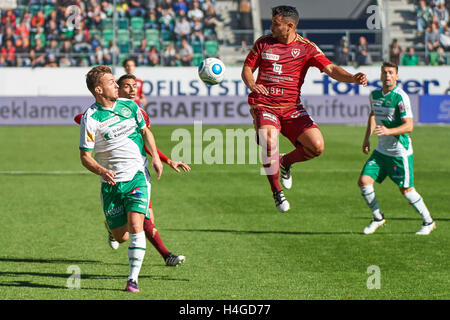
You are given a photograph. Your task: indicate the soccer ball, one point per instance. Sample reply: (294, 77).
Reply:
(211, 71)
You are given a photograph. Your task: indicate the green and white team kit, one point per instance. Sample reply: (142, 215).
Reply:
(393, 156)
(113, 134)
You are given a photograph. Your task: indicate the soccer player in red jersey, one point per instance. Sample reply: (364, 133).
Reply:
(128, 89)
(130, 67)
(283, 58)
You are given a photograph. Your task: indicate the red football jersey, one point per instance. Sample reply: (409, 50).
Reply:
(139, 85)
(282, 69)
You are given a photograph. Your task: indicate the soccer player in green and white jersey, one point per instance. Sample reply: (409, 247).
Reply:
(391, 119)
(115, 130)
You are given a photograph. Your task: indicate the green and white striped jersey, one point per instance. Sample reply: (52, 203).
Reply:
(114, 136)
(389, 110)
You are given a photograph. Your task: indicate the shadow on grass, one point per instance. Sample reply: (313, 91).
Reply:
(404, 219)
(30, 284)
(264, 232)
(34, 260)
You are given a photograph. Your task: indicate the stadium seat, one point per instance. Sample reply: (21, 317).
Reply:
(108, 24)
(122, 57)
(197, 59)
(123, 35)
(137, 35)
(137, 23)
(124, 47)
(152, 35)
(21, 9)
(108, 35)
(154, 43)
(123, 23)
(95, 33)
(135, 44)
(35, 8)
(166, 35)
(47, 9)
(211, 47)
(197, 47)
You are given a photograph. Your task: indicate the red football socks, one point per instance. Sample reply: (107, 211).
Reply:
(153, 236)
(297, 155)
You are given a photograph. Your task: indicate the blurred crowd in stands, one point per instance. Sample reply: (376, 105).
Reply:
(51, 33)
(432, 18)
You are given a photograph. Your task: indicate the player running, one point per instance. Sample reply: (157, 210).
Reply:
(115, 130)
(391, 120)
(283, 58)
(128, 89)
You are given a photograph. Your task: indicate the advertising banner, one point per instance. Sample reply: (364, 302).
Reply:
(435, 109)
(184, 81)
(184, 110)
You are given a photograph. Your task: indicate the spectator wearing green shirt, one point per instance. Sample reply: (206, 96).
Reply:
(410, 58)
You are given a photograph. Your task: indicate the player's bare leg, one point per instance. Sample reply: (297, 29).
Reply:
(416, 201)
(365, 184)
(310, 145)
(268, 139)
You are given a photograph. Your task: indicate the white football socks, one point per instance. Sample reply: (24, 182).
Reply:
(368, 193)
(419, 205)
(136, 253)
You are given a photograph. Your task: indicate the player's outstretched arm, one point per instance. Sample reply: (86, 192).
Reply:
(173, 164)
(339, 74)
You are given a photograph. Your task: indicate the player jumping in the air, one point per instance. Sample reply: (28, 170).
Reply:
(128, 90)
(391, 120)
(283, 58)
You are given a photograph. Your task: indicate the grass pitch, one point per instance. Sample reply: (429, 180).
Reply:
(223, 219)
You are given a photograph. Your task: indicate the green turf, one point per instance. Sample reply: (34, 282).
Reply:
(223, 219)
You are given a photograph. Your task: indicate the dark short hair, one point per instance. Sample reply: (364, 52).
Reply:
(125, 77)
(94, 75)
(390, 65)
(126, 61)
(286, 12)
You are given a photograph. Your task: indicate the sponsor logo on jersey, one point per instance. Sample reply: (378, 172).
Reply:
(270, 56)
(114, 211)
(295, 52)
(125, 112)
(396, 169)
(270, 117)
(277, 68)
(136, 192)
(299, 113)
(401, 107)
(109, 122)
(90, 137)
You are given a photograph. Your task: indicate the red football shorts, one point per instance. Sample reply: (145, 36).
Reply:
(291, 122)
